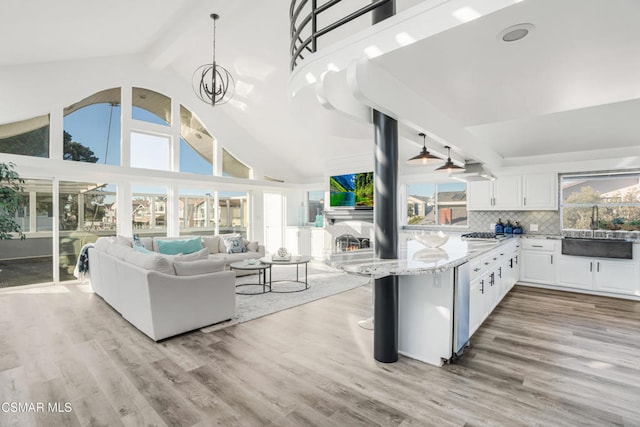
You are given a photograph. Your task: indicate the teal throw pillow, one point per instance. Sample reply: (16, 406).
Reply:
(234, 245)
(142, 249)
(181, 246)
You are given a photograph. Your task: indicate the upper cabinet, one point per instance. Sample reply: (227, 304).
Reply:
(514, 192)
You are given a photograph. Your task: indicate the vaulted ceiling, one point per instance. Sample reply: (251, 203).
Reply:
(572, 85)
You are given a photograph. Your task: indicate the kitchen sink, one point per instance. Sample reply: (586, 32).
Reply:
(597, 248)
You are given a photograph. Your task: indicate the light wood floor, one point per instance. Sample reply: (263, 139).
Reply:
(543, 358)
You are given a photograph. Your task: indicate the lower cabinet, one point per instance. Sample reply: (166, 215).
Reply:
(492, 276)
(542, 263)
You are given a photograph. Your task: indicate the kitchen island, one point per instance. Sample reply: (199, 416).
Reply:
(444, 293)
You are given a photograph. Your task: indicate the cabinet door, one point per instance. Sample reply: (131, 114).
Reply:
(479, 195)
(507, 192)
(537, 267)
(291, 239)
(617, 276)
(476, 304)
(540, 191)
(574, 272)
(317, 243)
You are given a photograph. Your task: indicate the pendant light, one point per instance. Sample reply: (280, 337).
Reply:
(449, 166)
(212, 83)
(424, 158)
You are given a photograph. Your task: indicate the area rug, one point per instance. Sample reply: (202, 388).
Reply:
(323, 281)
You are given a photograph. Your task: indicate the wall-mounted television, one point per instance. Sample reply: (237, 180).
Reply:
(354, 190)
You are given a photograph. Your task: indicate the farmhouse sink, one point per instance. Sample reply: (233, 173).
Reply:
(597, 248)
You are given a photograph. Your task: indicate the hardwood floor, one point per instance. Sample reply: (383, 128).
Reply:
(542, 358)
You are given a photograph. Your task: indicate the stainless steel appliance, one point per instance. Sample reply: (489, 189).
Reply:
(462, 280)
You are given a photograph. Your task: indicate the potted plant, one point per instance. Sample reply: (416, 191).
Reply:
(11, 186)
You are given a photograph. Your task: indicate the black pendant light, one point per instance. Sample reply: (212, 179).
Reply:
(424, 158)
(449, 166)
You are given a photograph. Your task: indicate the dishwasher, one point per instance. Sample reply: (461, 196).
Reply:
(461, 280)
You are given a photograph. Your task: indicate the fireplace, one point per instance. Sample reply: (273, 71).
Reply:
(348, 243)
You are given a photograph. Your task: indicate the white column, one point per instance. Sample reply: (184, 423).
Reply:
(55, 196)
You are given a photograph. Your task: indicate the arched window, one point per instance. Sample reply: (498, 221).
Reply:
(92, 129)
(27, 137)
(234, 167)
(197, 146)
(150, 106)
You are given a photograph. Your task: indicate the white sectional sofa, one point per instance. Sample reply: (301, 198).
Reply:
(164, 295)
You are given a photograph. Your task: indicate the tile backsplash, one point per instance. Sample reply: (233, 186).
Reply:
(548, 221)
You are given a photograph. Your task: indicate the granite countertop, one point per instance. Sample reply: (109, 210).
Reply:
(414, 258)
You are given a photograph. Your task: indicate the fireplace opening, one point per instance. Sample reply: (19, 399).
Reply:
(348, 243)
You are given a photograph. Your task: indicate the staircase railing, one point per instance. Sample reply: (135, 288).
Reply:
(300, 46)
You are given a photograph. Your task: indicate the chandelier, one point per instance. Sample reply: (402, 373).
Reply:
(212, 83)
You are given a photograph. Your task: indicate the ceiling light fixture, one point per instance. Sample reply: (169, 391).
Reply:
(212, 83)
(449, 166)
(515, 32)
(424, 158)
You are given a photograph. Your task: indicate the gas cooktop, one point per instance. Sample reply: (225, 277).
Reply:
(482, 235)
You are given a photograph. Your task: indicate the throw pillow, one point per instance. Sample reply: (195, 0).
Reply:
(194, 268)
(234, 245)
(137, 241)
(142, 249)
(119, 251)
(222, 248)
(251, 246)
(212, 243)
(182, 246)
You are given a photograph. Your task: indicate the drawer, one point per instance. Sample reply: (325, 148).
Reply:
(540, 245)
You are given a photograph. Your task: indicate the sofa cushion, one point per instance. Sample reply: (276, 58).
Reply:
(251, 246)
(154, 262)
(200, 255)
(103, 243)
(182, 246)
(194, 268)
(234, 245)
(212, 243)
(119, 251)
(125, 241)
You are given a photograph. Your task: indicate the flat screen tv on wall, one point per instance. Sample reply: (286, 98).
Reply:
(354, 190)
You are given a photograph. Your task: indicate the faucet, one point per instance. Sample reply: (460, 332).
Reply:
(595, 220)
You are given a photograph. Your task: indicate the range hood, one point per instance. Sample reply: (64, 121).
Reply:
(473, 172)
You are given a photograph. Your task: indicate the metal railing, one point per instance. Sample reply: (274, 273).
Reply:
(298, 45)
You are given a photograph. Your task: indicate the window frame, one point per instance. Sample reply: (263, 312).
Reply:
(436, 184)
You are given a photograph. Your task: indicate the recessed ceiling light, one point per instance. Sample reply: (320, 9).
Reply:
(515, 32)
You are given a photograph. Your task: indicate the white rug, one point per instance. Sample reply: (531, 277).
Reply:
(323, 281)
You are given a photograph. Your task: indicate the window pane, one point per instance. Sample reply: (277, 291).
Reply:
(421, 204)
(87, 211)
(150, 106)
(149, 206)
(616, 196)
(452, 204)
(197, 146)
(27, 137)
(193, 162)
(150, 151)
(197, 213)
(29, 261)
(233, 167)
(315, 204)
(233, 213)
(92, 129)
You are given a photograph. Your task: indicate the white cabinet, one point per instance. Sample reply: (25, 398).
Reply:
(514, 192)
(537, 261)
(491, 280)
(298, 240)
(617, 276)
(318, 236)
(606, 275)
(540, 191)
(574, 272)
